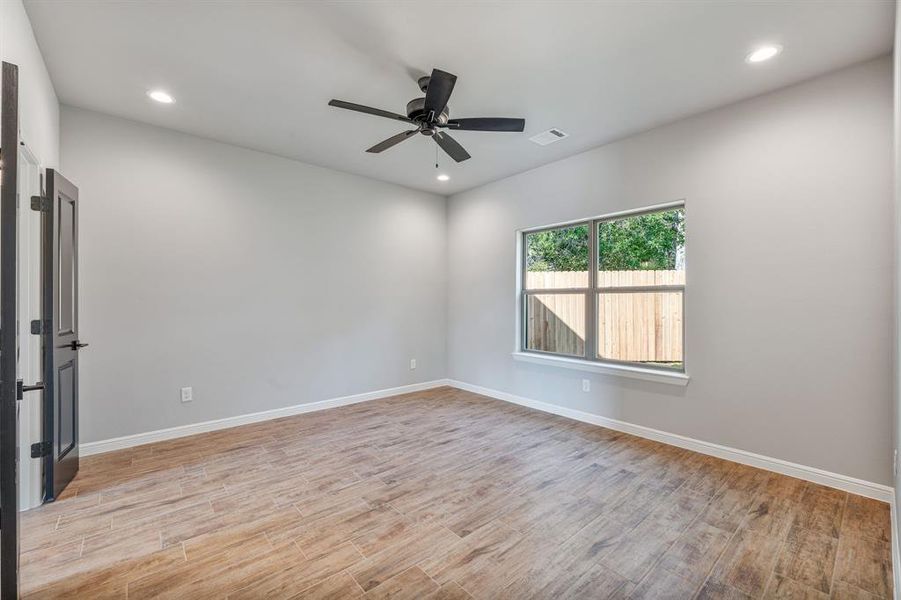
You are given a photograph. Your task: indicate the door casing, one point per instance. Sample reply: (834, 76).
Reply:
(29, 354)
(9, 428)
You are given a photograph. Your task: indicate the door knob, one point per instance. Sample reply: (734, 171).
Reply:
(75, 345)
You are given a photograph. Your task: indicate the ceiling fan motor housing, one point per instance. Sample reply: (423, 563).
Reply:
(416, 111)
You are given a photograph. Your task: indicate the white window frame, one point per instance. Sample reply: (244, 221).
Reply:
(590, 361)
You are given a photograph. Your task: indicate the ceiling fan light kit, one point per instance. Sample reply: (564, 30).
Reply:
(431, 113)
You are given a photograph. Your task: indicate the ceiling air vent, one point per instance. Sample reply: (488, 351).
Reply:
(548, 137)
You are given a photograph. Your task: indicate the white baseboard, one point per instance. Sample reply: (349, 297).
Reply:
(160, 435)
(834, 480)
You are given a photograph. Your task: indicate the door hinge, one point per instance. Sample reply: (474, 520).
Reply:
(41, 203)
(39, 327)
(41, 449)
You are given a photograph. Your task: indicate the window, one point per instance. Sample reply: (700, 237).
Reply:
(607, 290)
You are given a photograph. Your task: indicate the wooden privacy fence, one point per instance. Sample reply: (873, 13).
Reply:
(632, 326)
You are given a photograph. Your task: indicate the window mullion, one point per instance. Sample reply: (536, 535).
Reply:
(523, 316)
(591, 296)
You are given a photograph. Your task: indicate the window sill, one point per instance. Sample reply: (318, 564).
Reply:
(656, 375)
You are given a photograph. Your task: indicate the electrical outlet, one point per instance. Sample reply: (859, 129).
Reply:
(412, 364)
(586, 385)
(187, 394)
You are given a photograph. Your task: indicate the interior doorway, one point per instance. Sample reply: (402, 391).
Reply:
(28, 366)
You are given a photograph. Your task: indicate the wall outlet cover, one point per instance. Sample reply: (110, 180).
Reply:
(187, 394)
(586, 385)
(412, 364)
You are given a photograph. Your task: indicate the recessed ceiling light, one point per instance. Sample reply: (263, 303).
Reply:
(161, 96)
(763, 53)
(443, 177)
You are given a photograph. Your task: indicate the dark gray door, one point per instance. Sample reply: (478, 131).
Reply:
(9, 413)
(61, 344)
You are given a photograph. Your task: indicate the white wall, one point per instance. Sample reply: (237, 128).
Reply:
(789, 295)
(38, 106)
(897, 220)
(260, 281)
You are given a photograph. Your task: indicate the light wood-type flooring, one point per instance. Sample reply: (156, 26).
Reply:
(445, 494)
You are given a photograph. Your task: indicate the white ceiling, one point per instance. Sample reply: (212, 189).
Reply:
(259, 74)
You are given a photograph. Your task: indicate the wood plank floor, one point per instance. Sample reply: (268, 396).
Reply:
(444, 495)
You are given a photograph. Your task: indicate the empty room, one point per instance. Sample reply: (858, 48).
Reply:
(450, 300)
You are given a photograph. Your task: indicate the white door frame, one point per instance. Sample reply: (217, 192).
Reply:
(29, 307)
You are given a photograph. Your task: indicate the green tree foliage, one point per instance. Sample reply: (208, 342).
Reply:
(646, 242)
(558, 249)
(643, 242)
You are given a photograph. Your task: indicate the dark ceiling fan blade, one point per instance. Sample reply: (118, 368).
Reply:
(368, 110)
(450, 145)
(487, 124)
(392, 141)
(441, 84)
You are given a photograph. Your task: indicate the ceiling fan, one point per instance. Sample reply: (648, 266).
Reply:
(430, 113)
